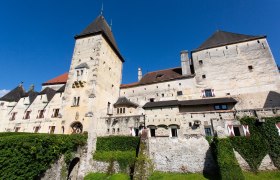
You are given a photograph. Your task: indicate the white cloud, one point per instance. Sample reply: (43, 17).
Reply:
(3, 92)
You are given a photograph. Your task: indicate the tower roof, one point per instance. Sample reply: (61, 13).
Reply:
(221, 38)
(100, 26)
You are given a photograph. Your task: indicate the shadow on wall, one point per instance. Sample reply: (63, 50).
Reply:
(73, 163)
(210, 170)
(272, 100)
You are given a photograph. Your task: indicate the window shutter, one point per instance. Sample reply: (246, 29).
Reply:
(203, 93)
(278, 127)
(212, 90)
(230, 130)
(246, 130)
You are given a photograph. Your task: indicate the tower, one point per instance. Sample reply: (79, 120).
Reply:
(94, 79)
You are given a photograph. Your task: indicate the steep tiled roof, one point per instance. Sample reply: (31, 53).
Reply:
(49, 92)
(14, 95)
(31, 94)
(221, 38)
(123, 101)
(196, 102)
(61, 79)
(100, 26)
(158, 76)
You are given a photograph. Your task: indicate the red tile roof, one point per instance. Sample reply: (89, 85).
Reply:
(61, 79)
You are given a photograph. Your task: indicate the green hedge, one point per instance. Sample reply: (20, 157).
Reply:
(117, 143)
(28, 156)
(228, 166)
(4, 134)
(116, 148)
(124, 158)
(253, 148)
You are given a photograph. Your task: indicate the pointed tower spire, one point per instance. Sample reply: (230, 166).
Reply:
(101, 12)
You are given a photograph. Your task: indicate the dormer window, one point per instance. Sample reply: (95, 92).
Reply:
(81, 71)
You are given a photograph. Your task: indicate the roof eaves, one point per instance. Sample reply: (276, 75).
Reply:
(224, 44)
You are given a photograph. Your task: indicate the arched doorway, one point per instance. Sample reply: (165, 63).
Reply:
(77, 128)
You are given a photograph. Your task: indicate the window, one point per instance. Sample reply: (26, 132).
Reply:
(203, 76)
(153, 132)
(250, 68)
(27, 115)
(208, 93)
(36, 129)
(173, 132)
(40, 114)
(76, 101)
(162, 95)
(120, 110)
(51, 129)
(13, 117)
(108, 107)
(55, 113)
(123, 110)
(220, 107)
(236, 131)
(200, 62)
(179, 93)
(208, 131)
(152, 99)
(118, 130)
(17, 129)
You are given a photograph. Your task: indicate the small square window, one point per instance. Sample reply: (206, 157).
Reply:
(179, 93)
(200, 62)
(203, 76)
(152, 99)
(208, 93)
(250, 67)
(208, 131)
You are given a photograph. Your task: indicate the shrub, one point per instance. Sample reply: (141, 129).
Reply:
(29, 155)
(228, 166)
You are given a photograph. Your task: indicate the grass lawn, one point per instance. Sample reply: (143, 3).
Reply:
(270, 175)
(104, 176)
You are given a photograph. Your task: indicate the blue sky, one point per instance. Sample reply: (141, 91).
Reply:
(37, 36)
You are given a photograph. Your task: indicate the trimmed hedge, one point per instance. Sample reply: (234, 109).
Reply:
(117, 143)
(4, 134)
(253, 148)
(228, 166)
(116, 148)
(28, 156)
(124, 158)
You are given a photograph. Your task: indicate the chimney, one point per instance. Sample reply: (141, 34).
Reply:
(139, 74)
(185, 63)
(31, 88)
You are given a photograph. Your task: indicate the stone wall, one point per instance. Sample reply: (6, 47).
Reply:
(181, 155)
(266, 164)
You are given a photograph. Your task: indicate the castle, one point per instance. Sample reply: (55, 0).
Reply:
(228, 76)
